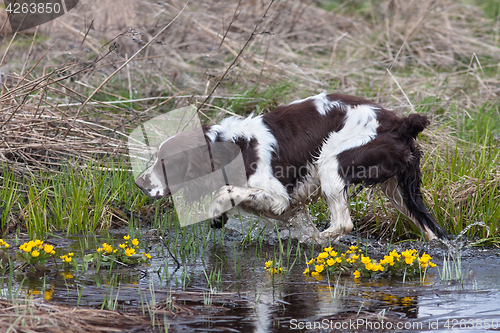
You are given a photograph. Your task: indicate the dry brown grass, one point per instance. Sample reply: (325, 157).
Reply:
(36, 315)
(400, 53)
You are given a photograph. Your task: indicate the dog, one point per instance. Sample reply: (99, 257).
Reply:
(311, 148)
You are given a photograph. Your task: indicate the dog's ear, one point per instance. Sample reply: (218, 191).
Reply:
(413, 124)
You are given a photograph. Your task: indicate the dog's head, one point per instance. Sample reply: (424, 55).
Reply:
(183, 161)
(178, 160)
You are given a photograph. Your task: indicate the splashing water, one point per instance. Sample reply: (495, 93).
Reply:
(459, 242)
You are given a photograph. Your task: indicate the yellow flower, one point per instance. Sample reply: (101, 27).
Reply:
(352, 248)
(323, 255)
(26, 247)
(268, 263)
(409, 260)
(338, 260)
(122, 246)
(314, 274)
(395, 254)
(424, 258)
(71, 254)
(306, 271)
(67, 275)
(147, 255)
(135, 242)
(126, 237)
(310, 262)
(330, 262)
(129, 252)
(365, 260)
(100, 249)
(35, 253)
(48, 248)
(107, 248)
(333, 253)
(409, 256)
(327, 249)
(319, 268)
(356, 274)
(48, 294)
(387, 260)
(432, 264)
(38, 243)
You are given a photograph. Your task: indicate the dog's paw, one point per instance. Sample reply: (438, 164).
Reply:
(218, 222)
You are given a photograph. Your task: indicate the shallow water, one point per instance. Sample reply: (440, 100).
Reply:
(246, 298)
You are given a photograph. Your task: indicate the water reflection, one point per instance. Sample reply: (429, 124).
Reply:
(227, 287)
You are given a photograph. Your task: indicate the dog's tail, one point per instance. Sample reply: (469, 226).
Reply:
(414, 202)
(410, 179)
(412, 125)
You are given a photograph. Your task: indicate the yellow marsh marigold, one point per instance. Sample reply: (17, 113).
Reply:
(395, 254)
(356, 274)
(365, 260)
(66, 259)
(129, 252)
(424, 261)
(310, 262)
(126, 237)
(409, 256)
(327, 249)
(388, 260)
(333, 253)
(35, 253)
(147, 255)
(306, 271)
(330, 262)
(106, 247)
(268, 263)
(323, 255)
(26, 247)
(49, 249)
(135, 242)
(319, 268)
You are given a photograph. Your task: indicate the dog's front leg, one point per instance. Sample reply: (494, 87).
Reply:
(334, 191)
(255, 198)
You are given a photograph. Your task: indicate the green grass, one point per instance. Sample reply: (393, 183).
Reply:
(75, 200)
(462, 177)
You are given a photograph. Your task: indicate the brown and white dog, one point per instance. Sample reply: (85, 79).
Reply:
(310, 148)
